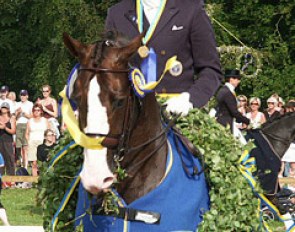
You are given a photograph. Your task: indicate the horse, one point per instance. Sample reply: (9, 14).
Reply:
(162, 190)
(272, 141)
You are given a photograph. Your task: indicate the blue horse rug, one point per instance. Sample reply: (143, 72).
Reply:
(180, 200)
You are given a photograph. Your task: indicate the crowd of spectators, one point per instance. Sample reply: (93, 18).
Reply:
(29, 129)
(26, 129)
(276, 107)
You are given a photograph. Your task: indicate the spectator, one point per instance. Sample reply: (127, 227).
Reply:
(281, 106)
(12, 97)
(49, 107)
(242, 108)
(48, 145)
(290, 106)
(243, 104)
(3, 98)
(7, 129)
(23, 114)
(3, 215)
(36, 127)
(270, 113)
(256, 117)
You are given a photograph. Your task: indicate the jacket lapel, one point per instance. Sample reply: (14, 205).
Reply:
(169, 12)
(130, 14)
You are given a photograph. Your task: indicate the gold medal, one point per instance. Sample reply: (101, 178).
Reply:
(143, 51)
(176, 68)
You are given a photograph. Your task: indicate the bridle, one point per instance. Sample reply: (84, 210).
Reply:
(118, 143)
(104, 70)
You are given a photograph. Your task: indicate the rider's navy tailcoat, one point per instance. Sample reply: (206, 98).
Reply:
(184, 30)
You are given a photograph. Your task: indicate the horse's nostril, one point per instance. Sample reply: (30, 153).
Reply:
(107, 182)
(94, 190)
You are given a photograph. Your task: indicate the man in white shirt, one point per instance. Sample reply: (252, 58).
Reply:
(23, 113)
(3, 98)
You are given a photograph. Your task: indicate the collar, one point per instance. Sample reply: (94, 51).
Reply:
(150, 4)
(231, 87)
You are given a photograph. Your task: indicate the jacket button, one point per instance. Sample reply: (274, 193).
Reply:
(163, 52)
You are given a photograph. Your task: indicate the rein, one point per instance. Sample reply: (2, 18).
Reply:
(277, 138)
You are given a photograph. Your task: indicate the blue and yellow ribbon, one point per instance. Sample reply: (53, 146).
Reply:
(65, 200)
(247, 166)
(73, 126)
(153, 24)
(141, 86)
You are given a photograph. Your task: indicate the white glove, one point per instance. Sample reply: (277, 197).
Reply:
(180, 104)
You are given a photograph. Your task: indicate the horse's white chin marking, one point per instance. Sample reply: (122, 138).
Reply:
(96, 175)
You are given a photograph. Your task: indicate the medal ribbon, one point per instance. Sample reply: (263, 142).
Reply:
(142, 85)
(153, 24)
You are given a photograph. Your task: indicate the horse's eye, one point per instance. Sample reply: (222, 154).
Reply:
(118, 103)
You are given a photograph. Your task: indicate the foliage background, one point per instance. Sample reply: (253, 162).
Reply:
(32, 51)
(32, 54)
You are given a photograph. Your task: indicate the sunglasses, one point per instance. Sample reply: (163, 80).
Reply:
(255, 104)
(45, 91)
(271, 103)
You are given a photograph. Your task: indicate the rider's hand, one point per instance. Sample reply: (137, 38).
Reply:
(180, 104)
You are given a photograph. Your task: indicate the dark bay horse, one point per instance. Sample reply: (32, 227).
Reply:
(272, 141)
(158, 194)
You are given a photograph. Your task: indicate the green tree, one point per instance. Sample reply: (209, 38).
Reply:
(267, 26)
(31, 48)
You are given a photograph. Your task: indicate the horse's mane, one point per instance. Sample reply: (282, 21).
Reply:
(276, 119)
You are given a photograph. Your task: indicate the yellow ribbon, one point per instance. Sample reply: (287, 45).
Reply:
(139, 82)
(73, 126)
(246, 167)
(153, 25)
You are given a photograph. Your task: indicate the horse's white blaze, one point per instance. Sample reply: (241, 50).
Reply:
(96, 174)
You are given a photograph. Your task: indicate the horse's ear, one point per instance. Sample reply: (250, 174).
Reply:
(133, 46)
(73, 45)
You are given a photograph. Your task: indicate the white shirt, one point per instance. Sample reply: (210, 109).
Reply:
(231, 87)
(151, 8)
(255, 122)
(26, 108)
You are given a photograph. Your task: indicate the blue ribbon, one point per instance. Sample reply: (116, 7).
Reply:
(70, 85)
(149, 67)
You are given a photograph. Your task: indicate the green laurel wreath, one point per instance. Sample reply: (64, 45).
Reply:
(237, 53)
(233, 206)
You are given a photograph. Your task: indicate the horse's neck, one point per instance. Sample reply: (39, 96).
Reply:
(281, 136)
(145, 176)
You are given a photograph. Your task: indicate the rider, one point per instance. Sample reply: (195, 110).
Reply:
(182, 28)
(227, 108)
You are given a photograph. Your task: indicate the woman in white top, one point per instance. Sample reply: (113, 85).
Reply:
(35, 135)
(256, 117)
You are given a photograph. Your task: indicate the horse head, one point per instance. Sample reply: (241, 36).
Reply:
(102, 94)
(280, 132)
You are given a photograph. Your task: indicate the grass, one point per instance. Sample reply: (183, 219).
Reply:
(20, 205)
